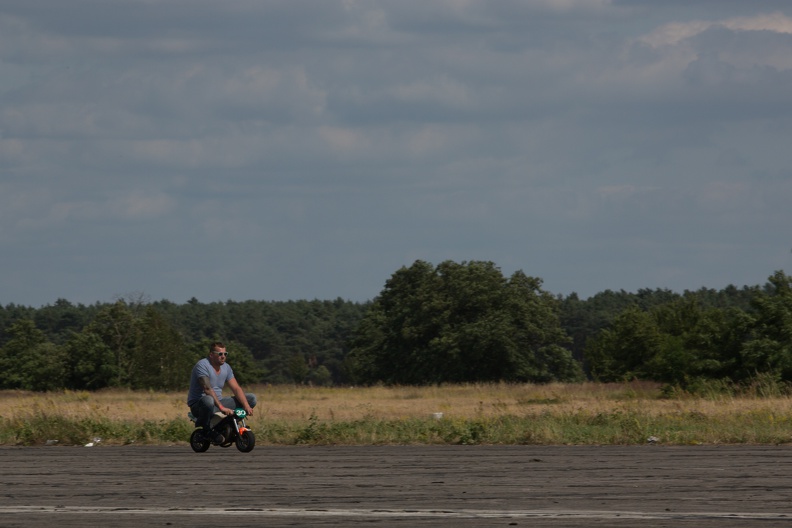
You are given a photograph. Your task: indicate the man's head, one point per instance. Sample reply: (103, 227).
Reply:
(217, 353)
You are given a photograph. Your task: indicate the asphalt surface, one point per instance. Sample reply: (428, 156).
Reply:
(461, 486)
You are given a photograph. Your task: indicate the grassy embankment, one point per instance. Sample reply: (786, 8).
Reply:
(587, 413)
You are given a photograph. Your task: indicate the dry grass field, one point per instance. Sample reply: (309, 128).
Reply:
(487, 413)
(297, 403)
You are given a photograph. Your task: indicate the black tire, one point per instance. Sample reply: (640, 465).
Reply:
(246, 441)
(199, 442)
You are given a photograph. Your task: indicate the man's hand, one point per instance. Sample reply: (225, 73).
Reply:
(226, 411)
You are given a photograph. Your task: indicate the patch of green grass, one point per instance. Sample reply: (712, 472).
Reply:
(629, 426)
(40, 428)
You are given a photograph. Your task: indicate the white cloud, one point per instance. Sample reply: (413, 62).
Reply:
(140, 205)
(343, 139)
(676, 32)
(27, 210)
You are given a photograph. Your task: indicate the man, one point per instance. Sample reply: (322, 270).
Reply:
(205, 397)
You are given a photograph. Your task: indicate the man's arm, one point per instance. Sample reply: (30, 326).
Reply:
(209, 391)
(240, 395)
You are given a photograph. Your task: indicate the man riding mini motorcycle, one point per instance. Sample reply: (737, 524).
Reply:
(205, 396)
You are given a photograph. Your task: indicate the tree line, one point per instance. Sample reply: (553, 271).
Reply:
(453, 322)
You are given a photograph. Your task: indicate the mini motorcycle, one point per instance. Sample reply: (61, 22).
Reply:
(223, 431)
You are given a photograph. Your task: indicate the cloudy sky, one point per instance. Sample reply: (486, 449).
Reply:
(284, 149)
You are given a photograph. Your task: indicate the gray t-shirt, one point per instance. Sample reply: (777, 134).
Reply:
(217, 381)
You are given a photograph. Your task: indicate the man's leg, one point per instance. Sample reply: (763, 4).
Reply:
(251, 399)
(205, 409)
(202, 410)
(229, 402)
(233, 403)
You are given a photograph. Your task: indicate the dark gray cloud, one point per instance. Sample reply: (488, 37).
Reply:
(279, 149)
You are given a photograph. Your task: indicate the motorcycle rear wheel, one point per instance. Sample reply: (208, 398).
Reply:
(246, 441)
(198, 441)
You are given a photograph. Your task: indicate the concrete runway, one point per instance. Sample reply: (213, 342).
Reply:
(460, 486)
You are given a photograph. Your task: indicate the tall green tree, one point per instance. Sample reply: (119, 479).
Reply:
(160, 359)
(461, 323)
(145, 350)
(116, 326)
(699, 341)
(678, 343)
(93, 364)
(623, 350)
(768, 348)
(29, 361)
(247, 369)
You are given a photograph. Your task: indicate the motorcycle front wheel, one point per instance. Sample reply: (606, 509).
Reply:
(198, 441)
(246, 441)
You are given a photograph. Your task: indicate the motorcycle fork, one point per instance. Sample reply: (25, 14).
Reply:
(241, 429)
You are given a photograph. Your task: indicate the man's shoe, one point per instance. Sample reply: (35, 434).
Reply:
(213, 436)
